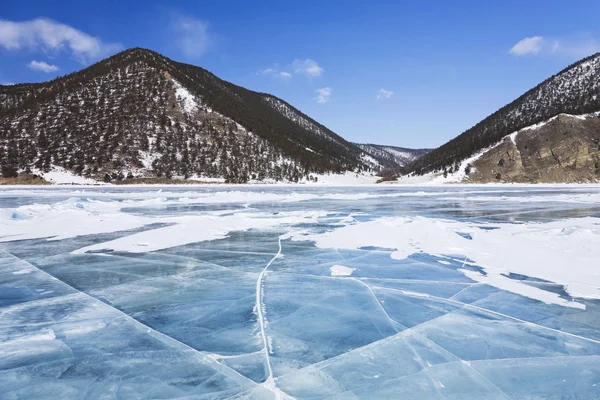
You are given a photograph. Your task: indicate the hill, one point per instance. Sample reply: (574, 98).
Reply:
(140, 114)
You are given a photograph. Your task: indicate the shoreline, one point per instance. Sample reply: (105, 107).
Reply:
(302, 185)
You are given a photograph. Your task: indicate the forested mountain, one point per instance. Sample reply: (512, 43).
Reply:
(139, 113)
(574, 90)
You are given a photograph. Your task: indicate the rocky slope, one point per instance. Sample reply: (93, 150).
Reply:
(575, 90)
(140, 114)
(564, 149)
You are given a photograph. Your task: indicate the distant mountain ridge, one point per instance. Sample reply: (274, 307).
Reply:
(141, 114)
(392, 156)
(574, 90)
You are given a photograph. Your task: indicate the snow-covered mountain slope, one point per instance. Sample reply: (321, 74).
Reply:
(392, 156)
(575, 90)
(141, 114)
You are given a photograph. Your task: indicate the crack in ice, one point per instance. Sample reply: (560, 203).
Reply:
(408, 330)
(166, 339)
(466, 305)
(260, 311)
(393, 323)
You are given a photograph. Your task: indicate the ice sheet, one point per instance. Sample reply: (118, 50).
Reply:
(299, 292)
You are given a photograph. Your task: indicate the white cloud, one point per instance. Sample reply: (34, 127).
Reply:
(307, 67)
(268, 71)
(323, 95)
(192, 35)
(384, 94)
(51, 36)
(276, 73)
(42, 66)
(572, 47)
(528, 45)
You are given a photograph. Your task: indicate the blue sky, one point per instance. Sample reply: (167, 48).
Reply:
(411, 74)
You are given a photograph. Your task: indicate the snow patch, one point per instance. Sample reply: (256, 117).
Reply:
(460, 175)
(340, 270)
(183, 95)
(62, 176)
(348, 178)
(184, 230)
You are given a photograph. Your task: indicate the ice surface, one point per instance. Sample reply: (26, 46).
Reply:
(466, 292)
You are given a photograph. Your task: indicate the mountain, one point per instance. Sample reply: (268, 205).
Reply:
(392, 157)
(575, 90)
(140, 114)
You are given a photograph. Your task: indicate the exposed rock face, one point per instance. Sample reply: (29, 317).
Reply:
(565, 149)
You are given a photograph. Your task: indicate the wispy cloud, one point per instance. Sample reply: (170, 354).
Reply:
(384, 94)
(528, 45)
(307, 67)
(192, 35)
(323, 95)
(276, 73)
(573, 47)
(42, 66)
(43, 34)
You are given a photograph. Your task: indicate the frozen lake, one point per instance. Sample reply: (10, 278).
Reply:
(217, 292)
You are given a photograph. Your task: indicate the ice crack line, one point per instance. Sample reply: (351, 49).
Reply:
(482, 309)
(468, 287)
(270, 382)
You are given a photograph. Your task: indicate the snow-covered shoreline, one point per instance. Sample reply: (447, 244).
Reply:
(302, 185)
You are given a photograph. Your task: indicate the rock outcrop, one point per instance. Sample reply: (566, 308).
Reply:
(565, 149)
